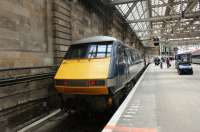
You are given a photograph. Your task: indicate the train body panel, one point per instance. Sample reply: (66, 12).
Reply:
(196, 56)
(196, 60)
(84, 69)
(97, 90)
(125, 66)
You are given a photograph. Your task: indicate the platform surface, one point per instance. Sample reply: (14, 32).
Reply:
(161, 101)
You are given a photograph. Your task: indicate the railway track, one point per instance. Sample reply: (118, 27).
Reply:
(61, 121)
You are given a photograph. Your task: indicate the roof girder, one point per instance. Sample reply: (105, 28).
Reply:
(156, 29)
(130, 9)
(169, 24)
(167, 18)
(165, 4)
(118, 2)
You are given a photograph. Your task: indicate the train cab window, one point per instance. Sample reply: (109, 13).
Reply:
(102, 51)
(76, 51)
(90, 50)
(183, 57)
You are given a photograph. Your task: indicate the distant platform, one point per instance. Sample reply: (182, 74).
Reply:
(161, 101)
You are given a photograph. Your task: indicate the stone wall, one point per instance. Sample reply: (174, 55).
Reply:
(85, 23)
(23, 37)
(62, 30)
(34, 36)
(152, 51)
(26, 52)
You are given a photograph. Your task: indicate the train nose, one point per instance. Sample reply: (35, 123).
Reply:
(84, 69)
(90, 87)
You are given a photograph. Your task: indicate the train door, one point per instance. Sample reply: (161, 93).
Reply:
(129, 62)
(122, 66)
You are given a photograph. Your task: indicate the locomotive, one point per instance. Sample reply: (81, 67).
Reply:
(98, 71)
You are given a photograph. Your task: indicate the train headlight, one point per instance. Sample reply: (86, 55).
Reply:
(97, 82)
(92, 82)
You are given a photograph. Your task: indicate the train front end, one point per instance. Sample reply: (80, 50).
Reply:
(83, 76)
(84, 72)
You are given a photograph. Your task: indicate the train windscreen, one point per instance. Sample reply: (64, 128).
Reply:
(89, 50)
(184, 58)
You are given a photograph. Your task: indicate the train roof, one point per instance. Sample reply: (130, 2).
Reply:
(184, 53)
(100, 39)
(196, 52)
(95, 39)
(193, 52)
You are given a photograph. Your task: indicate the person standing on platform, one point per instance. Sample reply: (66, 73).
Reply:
(156, 61)
(163, 59)
(161, 64)
(168, 63)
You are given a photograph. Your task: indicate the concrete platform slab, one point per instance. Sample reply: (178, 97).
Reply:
(161, 101)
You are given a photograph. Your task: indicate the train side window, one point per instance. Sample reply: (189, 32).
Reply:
(129, 57)
(121, 59)
(126, 56)
(196, 56)
(126, 60)
(137, 56)
(132, 56)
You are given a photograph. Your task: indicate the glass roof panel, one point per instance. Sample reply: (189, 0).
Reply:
(197, 7)
(143, 22)
(124, 8)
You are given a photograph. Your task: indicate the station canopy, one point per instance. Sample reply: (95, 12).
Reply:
(172, 21)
